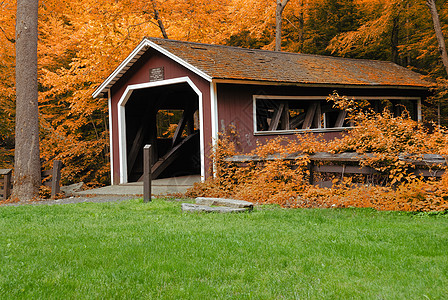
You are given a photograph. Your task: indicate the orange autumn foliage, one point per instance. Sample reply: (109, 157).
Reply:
(285, 182)
(82, 41)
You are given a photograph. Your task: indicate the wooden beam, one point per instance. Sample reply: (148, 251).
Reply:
(297, 121)
(345, 169)
(317, 120)
(341, 118)
(138, 140)
(168, 158)
(285, 117)
(180, 127)
(309, 116)
(56, 178)
(147, 176)
(276, 117)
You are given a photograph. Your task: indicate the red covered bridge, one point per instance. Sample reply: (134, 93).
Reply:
(205, 88)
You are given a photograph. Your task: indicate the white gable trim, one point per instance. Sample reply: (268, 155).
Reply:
(111, 146)
(126, 64)
(122, 121)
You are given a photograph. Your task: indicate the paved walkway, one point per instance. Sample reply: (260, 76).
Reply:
(122, 192)
(163, 186)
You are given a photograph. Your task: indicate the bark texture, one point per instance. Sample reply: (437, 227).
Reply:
(278, 23)
(438, 30)
(27, 162)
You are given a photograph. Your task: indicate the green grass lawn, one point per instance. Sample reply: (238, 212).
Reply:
(138, 250)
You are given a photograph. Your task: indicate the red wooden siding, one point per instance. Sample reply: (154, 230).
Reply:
(139, 73)
(235, 106)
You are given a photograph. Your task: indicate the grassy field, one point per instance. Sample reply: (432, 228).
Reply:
(134, 250)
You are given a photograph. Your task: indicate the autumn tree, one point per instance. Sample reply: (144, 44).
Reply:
(388, 30)
(159, 19)
(278, 23)
(82, 41)
(27, 162)
(7, 91)
(74, 126)
(438, 31)
(327, 19)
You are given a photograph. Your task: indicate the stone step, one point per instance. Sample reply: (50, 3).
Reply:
(224, 202)
(189, 207)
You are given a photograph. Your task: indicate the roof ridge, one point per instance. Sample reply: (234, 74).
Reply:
(272, 52)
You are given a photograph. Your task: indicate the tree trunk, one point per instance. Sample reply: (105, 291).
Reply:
(394, 39)
(159, 21)
(278, 23)
(301, 26)
(438, 30)
(27, 162)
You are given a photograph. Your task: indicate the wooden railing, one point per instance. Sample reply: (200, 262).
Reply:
(429, 165)
(55, 180)
(51, 178)
(5, 183)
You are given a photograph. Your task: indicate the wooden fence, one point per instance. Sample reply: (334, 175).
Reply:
(429, 165)
(51, 178)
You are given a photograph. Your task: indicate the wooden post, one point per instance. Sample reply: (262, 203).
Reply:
(56, 178)
(6, 182)
(311, 169)
(7, 185)
(147, 173)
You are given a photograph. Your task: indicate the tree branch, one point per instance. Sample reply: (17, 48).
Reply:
(159, 20)
(9, 39)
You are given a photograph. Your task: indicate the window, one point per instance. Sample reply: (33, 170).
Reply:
(292, 114)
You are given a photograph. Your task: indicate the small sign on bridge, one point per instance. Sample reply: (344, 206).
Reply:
(156, 74)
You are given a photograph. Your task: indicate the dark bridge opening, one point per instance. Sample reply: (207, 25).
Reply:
(166, 117)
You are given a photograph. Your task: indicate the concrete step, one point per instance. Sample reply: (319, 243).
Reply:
(189, 207)
(224, 202)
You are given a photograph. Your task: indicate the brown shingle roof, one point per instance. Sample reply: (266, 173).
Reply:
(232, 63)
(223, 62)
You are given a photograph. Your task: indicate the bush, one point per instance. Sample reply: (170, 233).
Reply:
(285, 182)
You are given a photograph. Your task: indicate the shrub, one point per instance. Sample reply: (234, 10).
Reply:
(285, 182)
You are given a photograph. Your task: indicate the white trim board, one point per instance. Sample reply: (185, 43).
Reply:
(277, 97)
(138, 51)
(122, 121)
(111, 146)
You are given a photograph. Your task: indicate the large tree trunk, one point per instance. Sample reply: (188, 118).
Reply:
(438, 29)
(27, 162)
(278, 23)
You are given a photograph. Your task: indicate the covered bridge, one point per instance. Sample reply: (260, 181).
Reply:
(204, 88)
